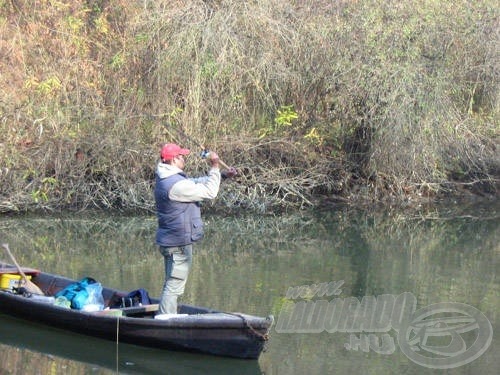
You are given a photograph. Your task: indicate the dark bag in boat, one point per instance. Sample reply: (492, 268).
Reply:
(77, 293)
(135, 298)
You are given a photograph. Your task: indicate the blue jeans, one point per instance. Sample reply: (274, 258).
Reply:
(178, 262)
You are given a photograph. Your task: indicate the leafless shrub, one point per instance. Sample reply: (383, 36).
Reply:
(392, 100)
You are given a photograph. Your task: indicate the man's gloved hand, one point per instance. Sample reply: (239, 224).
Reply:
(231, 172)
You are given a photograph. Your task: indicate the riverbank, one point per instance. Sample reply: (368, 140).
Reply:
(342, 102)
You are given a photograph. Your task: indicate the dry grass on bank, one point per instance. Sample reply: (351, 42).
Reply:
(310, 99)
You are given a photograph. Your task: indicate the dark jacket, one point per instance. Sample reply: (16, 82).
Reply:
(179, 223)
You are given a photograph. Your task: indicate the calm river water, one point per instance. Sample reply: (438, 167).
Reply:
(446, 256)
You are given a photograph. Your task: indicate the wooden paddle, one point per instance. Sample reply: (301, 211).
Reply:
(28, 284)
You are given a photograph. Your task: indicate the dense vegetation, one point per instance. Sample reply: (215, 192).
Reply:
(348, 100)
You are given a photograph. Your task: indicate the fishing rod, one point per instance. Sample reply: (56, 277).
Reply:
(205, 153)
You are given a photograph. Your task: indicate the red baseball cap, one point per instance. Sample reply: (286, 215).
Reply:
(171, 150)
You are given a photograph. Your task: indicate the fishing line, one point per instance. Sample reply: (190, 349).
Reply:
(117, 340)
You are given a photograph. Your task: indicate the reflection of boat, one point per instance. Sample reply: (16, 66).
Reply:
(60, 346)
(194, 329)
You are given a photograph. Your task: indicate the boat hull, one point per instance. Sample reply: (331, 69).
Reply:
(195, 329)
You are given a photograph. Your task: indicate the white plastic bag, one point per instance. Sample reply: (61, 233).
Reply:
(95, 300)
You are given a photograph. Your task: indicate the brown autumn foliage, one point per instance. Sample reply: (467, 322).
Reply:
(345, 100)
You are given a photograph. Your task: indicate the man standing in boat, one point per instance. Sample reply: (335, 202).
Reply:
(179, 218)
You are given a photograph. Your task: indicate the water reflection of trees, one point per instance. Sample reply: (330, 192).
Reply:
(437, 253)
(247, 263)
